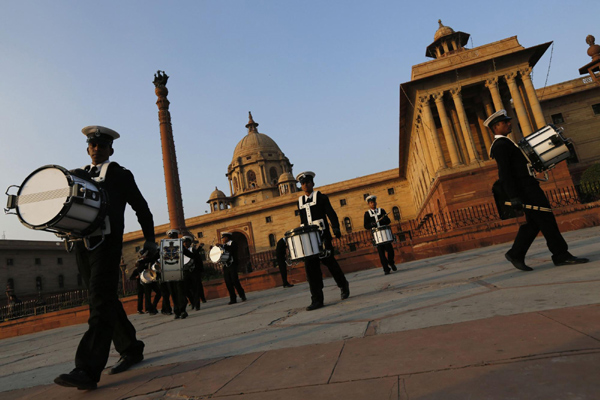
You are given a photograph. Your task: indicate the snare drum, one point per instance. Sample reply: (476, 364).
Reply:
(218, 255)
(53, 199)
(303, 242)
(546, 147)
(171, 260)
(382, 235)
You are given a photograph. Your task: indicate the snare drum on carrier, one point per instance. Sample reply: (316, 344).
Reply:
(304, 242)
(171, 260)
(546, 147)
(382, 235)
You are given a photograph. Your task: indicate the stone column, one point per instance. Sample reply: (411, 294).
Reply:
(484, 131)
(425, 146)
(464, 124)
(492, 85)
(439, 103)
(538, 114)
(429, 122)
(230, 186)
(518, 103)
(458, 136)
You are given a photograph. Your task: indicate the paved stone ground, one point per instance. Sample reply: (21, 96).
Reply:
(460, 326)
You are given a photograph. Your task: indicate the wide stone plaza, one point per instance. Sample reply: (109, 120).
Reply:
(460, 326)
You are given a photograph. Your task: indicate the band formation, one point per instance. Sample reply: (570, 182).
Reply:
(85, 207)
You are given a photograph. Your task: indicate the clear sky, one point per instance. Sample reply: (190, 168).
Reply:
(320, 77)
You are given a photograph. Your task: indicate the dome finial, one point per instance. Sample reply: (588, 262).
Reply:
(440, 22)
(251, 125)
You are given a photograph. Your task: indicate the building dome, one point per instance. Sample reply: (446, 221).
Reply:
(286, 177)
(442, 31)
(216, 194)
(254, 142)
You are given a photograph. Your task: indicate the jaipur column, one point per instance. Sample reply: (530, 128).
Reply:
(518, 103)
(492, 85)
(439, 103)
(464, 124)
(538, 114)
(430, 125)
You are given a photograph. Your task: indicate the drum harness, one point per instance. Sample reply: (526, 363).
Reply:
(311, 201)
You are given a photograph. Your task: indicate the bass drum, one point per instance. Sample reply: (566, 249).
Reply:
(53, 199)
(219, 255)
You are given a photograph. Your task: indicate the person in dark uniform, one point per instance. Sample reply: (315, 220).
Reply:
(230, 269)
(315, 209)
(374, 218)
(280, 250)
(100, 270)
(193, 275)
(151, 304)
(522, 188)
(177, 288)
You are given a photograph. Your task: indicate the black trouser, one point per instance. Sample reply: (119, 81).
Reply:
(386, 263)
(538, 221)
(149, 288)
(108, 322)
(140, 295)
(282, 268)
(232, 281)
(166, 296)
(194, 289)
(312, 266)
(178, 295)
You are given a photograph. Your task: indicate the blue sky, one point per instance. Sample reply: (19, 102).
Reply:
(312, 72)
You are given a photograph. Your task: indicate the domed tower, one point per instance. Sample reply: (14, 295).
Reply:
(446, 41)
(218, 201)
(256, 167)
(287, 183)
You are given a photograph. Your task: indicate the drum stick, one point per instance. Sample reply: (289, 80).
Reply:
(382, 217)
(530, 207)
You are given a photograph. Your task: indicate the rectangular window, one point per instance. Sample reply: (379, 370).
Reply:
(391, 191)
(38, 261)
(342, 202)
(268, 219)
(296, 212)
(9, 261)
(596, 108)
(557, 118)
(200, 234)
(59, 261)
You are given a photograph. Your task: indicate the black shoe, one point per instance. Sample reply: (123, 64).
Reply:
(386, 272)
(177, 316)
(125, 362)
(518, 264)
(166, 313)
(141, 312)
(184, 315)
(232, 302)
(198, 307)
(204, 301)
(77, 378)
(243, 299)
(314, 306)
(193, 308)
(571, 260)
(394, 267)
(345, 293)
(288, 285)
(153, 312)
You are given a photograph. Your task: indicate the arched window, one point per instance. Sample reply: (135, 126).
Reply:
(273, 175)
(216, 206)
(61, 281)
(396, 212)
(272, 240)
(38, 283)
(251, 176)
(348, 224)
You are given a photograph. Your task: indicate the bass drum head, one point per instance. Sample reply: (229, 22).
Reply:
(215, 254)
(42, 196)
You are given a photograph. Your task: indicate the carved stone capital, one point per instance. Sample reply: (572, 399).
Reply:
(438, 97)
(525, 72)
(455, 92)
(510, 77)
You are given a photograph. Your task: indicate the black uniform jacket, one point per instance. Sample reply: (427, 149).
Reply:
(194, 254)
(321, 210)
(512, 168)
(369, 221)
(231, 248)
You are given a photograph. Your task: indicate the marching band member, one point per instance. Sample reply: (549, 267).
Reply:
(192, 277)
(100, 270)
(522, 188)
(280, 250)
(177, 289)
(139, 287)
(374, 218)
(315, 209)
(230, 269)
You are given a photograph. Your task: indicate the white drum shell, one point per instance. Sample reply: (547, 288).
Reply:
(303, 243)
(171, 259)
(383, 235)
(45, 202)
(547, 151)
(218, 255)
